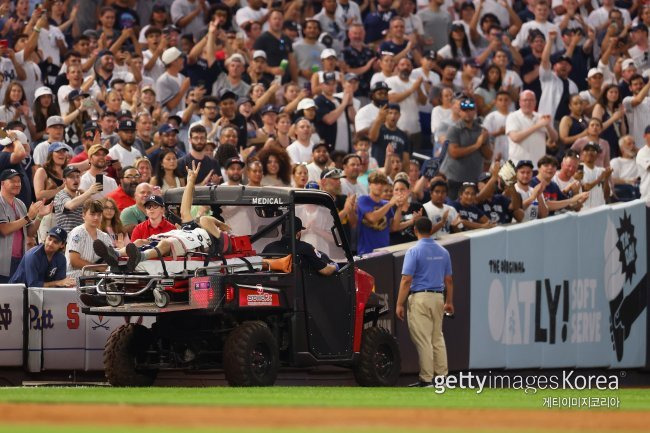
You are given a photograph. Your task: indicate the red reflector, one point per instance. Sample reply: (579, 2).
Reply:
(230, 293)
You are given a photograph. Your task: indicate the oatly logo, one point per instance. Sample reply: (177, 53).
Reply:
(266, 200)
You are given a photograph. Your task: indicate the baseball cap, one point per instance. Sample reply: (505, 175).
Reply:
(234, 160)
(640, 26)
(155, 199)
(394, 106)
(103, 53)
(259, 53)
(467, 104)
(329, 76)
(457, 26)
(628, 63)
(54, 120)
(291, 25)
(312, 184)
(379, 85)
(351, 76)
(8, 174)
(91, 126)
(320, 144)
(90, 33)
(431, 54)
(524, 163)
(159, 7)
(69, 170)
(562, 59)
(236, 57)
(485, 176)
(97, 148)
(167, 127)
(332, 173)
(171, 28)
(306, 103)
(227, 94)
(124, 113)
(592, 145)
(126, 125)
(44, 90)
(170, 55)
(148, 89)
(20, 136)
(58, 233)
(77, 94)
(297, 222)
(471, 62)
(268, 109)
(327, 53)
(593, 71)
(56, 146)
(647, 130)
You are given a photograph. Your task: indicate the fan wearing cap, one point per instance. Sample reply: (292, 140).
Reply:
(594, 130)
(329, 61)
(172, 86)
(256, 71)
(334, 115)
(320, 159)
(500, 207)
(124, 152)
(55, 131)
(330, 182)
(595, 79)
(168, 134)
(70, 200)
(16, 222)
(12, 155)
(595, 179)
(309, 256)
(369, 112)
(45, 265)
(556, 200)
(532, 199)
(386, 137)
(232, 78)
(97, 159)
(229, 116)
(557, 87)
(155, 223)
(637, 108)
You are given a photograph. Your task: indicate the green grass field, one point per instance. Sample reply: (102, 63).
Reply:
(630, 398)
(345, 397)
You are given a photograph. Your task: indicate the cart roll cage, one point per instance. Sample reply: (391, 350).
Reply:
(224, 195)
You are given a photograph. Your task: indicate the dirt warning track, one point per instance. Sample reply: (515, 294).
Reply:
(350, 418)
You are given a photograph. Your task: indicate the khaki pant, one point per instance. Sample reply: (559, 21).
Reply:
(425, 313)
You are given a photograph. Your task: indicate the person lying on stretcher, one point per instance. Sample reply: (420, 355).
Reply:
(207, 236)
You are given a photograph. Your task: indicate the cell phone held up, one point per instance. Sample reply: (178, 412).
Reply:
(99, 178)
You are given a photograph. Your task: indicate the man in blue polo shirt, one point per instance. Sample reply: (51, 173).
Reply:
(45, 265)
(426, 274)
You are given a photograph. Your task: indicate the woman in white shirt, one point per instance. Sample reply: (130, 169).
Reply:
(441, 115)
(458, 47)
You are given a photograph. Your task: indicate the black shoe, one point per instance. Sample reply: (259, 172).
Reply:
(134, 257)
(106, 253)
(421, 384)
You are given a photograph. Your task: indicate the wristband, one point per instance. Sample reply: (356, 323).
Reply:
(27, 219)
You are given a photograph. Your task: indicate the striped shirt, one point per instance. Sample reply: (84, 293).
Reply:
(67, 219)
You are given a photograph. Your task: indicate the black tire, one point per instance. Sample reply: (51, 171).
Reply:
(379, 362)
(126, 345)
(251, 356)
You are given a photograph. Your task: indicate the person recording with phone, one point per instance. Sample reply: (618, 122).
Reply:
(95, 174)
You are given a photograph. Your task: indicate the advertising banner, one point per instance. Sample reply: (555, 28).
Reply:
(566, 291)
(64, 335)
(11, 325)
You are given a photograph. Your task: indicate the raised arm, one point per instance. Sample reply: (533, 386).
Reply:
(188, 194)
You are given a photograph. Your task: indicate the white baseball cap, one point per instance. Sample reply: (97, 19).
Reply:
(306, 103)
(628, 63)
(44, 90)
(235, 58)
(327, 52)
(258, 54)
(171, 54)
(594, 71)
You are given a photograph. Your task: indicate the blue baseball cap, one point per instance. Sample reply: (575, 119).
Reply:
(167, 127)
(58, 233)
(56, 146)
(312, 184)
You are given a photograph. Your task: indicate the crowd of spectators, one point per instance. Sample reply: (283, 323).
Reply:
(470, 113)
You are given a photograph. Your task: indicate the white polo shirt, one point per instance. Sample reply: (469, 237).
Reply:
(638, 118)
(552, 88)
(532, 147)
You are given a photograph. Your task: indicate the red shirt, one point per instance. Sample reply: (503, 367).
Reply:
(121, 198)
(144, 230)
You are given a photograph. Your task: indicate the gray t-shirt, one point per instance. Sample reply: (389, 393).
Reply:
(167, 87)
(307, 55)
(241, 89)
(182, 8)
(8, 215)
(436, 25)
(468, 168)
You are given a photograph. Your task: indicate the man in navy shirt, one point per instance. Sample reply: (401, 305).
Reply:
(426, 276)
(471, 216)
(556, 200)
(45, 265)
(500, 208)
(376, 216)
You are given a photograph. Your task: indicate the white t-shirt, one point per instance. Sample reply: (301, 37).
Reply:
(348, 188)
(596, 194)
(33, 79)
(158, 68)
(247, 14)
(552, 88)
(87, 180)
(492, 123)
(521, 40)
(40, 152)
(643, 165)
(600, 17)
(624, 168)
(365, 116)
(409, 120)
(532, 147)
(532, 211)
(562, 184)
(314, 172)
(439, 116)
(299, 152)
(433, 78)
(79, 240)
(434, 213)
(125, 156)
(638, 118)
(7, 115)
(47, 43)
(377, 76)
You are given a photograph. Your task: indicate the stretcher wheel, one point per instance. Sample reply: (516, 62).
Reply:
(160, 298)
(114, 300)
